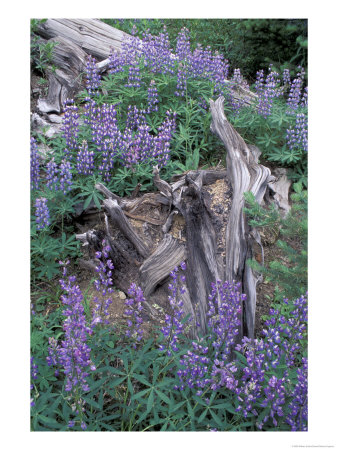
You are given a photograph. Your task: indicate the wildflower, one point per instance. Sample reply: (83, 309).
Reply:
(266, 90)
(41, 213)
(297, 417)
(225, 306)
(297, 137)
(65, 176)
(72, 355)
(103, 284)
(70, 126)
(173, 321)
(35, 164)
(85, 160)
(52, 175)
(152, 97)
(93, 77)
(295, 93)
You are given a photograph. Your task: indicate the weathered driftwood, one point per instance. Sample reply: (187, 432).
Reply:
(155, 269)
(245, 174)
(93, 36)
(66, 79)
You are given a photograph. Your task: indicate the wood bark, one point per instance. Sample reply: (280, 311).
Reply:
(93, 36)
(245, 174)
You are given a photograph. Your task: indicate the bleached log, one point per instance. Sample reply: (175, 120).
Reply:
(245, 174)
(93, 36)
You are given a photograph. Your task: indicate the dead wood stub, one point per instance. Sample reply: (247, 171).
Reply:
(215, 243)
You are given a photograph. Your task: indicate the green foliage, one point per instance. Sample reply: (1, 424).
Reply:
(41, 51)
(290, 273)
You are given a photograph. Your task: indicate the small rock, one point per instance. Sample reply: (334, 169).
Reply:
(122, 295)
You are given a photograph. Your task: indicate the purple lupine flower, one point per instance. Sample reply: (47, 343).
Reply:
(70, 126)
(35, 165)
(183, 44)
(225, 306)
(133, 312)
(152, 97)
(131, 47)
(103, 124)
(295, 93)
(52, 175)
(274, 398)
(34, 371)
(134, 75)
(161, 149)
(157, 52)
(41, 213)
(135, 118)
(34, 376)
(103, 284)
(297, 137)
(304, 100)
(249, 389)
(194, 373)
(115, 62)
(267, 90)
(93, 81)
(85, 160)
(89, 111)
(65, 176)
(286, 77)
(182, 76)
(298, 415)
(139, 147)
(72, 355)
(173, 321)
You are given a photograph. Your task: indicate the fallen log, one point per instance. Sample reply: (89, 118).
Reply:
(93, 36)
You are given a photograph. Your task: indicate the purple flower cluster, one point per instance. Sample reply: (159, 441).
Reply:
(115, 62)
(196, 366)
(256, 385)
(297, 137)
(225, 306)
(134, 75)
(133, 312)
(295, 94)
(103, 285)
(41, 213)
(298, 407)
(267, 89)
(72, 355)
(173, 322)
(35, 165)
(65, 176)
(52, 175)
(183, 44)
(152, 97)
(34, 376)
(70, 126)
(93, 76)
(157, 52)
(85, 160)
(161, 148)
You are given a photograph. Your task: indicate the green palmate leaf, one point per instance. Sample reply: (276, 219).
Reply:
(52, 423)
(150, 402)
(221, 423)
(202, 416)
(142, 379)
(164, 397)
